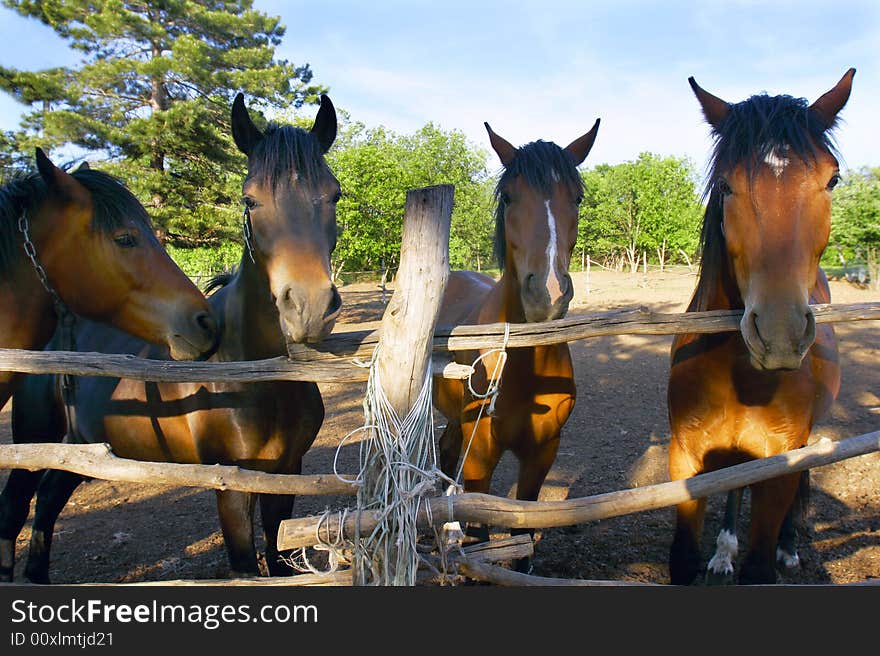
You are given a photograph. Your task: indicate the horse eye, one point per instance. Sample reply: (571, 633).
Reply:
(723, 187)
(249, 202)
(125, 240)
(505, 198)
(336, 197)
(832, 183)
(578, 200)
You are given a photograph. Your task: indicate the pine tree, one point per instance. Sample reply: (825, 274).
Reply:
(153, 93)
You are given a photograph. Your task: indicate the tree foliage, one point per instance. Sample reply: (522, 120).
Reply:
(855, 221)
(650, 205)
(152, 92)
(376, 167)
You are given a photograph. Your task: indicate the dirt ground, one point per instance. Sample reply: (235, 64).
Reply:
(617, 438)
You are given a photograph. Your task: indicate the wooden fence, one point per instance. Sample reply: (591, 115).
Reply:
(408, 335)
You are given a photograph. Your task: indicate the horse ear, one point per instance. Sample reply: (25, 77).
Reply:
(831, 102)
(244, 132)
(57, 180)
(324, 127)
(714, 109)
(580, 147)
(503, 148)
(84, 166)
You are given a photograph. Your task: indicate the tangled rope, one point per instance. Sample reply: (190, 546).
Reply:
(398, 470)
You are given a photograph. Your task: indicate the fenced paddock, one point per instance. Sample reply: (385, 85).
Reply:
(619, 413)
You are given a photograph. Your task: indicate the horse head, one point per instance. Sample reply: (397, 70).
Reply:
(536, 227)
(773, 171)
(290, 198)
(94, 241)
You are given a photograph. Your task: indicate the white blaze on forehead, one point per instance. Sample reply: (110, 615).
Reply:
(554, 287)
(776, 161)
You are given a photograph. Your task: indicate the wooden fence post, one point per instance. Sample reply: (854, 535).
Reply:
(405, 337)
(396, 453)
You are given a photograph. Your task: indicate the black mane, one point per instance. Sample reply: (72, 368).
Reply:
(542, 164)
(752, 130)
(285, 150)
(113, 206)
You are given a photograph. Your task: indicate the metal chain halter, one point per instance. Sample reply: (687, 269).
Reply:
(66, 318)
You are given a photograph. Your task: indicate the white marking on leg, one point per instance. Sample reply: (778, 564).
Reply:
(791, 561)
(552, 279)
(725, 553)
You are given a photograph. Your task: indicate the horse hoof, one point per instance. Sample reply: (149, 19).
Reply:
(720, 578)
(5, 575)
(787, 561)
(38, 578)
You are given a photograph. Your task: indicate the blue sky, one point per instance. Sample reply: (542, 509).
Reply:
(548, 69)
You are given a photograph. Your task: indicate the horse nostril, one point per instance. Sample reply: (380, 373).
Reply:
(753, 319)
(809, 333)
(335, 303)
(207, 323)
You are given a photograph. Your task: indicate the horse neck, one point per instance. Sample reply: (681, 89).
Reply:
(505, 300)
(27, 315)
(251, 328)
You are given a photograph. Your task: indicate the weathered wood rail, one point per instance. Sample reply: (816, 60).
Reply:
(333, 361)
(501, 511)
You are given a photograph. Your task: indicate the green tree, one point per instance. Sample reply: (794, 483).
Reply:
(855, 221)
(648, 205)
(152, 92)
(376, 167)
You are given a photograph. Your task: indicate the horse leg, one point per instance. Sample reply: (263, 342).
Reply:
(771, 500)
(53, 494)
(719, 571)
(533, 469)
(450, 448)
(795, 522)
(236, 512)
(482, 458)
(15, 504)
(274, 508)
(684, 554)
(45, 425)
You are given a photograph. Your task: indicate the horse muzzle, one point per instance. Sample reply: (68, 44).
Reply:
(538, 303)
(308, 317)
(778, 341)
(196, 339)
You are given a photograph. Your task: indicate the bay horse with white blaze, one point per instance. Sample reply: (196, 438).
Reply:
(537, 196)
(281, 291)
(754, 393)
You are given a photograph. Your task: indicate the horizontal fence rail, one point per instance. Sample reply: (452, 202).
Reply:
(336, 359)
(98, 461)
(513, 513)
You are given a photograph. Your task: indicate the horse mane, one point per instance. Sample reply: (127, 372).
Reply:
(112, 203)
(752, 130)
(220, 280)
(542, 164)
(284, 150)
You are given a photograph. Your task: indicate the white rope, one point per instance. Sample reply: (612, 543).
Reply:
(493, 389)
(398, 468)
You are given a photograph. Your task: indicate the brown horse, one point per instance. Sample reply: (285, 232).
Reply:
(282, 291)
(735, 397)
(537, 199)
(83, 238)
